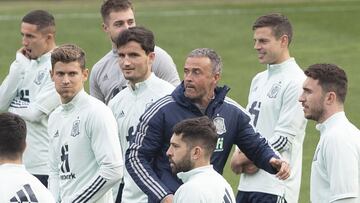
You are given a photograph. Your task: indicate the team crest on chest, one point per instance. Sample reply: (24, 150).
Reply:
(219, 123)
(56, 134)
(275, 89)
(75, 128)
(40, 77)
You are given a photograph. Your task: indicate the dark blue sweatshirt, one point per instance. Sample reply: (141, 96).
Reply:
(146, 159)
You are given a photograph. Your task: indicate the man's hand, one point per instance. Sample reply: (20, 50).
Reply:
(241, 164)
(250, 168)
(168, 199)
(282, 167)
(23, 51)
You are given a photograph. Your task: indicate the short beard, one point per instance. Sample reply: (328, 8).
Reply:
(316, 115)
(183, 166)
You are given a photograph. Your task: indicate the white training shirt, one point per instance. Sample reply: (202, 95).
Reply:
(335, 170)
(85, 155)
(29, 86)
(18, 185)
(205, 185)
(127, 107)
(277, 115)
(106, 78)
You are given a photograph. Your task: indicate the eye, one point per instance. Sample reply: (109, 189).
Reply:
(130, 22)
(197, 72)
(121, 55)
(133, 55)
(59, 74)
(119, 23)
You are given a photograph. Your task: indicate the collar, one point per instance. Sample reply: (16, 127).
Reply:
(143, 84)
(278, 67)
(44, 58)
(186, 176)
(75, 100)
(179, 97)
(332, 120)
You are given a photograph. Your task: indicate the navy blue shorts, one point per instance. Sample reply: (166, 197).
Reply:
(258, 197)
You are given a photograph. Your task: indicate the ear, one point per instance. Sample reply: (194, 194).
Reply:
(151, 56)
(196, 153)
(85, 73)
(104, 27)
(284, 40)
(330, 98)
(49, 36)
(217, 77)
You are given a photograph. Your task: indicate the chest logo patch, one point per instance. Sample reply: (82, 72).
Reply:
(219, 123)
(40, 77)
(275, 89)
(56, 134)
(75, 128)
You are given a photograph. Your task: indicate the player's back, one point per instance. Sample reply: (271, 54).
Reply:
(18, 185)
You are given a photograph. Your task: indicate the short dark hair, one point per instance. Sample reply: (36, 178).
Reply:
(198, 131)
(42, 19)
(331, 78)
(67, 53)
(279, 24)
(140, 35)
(109, 6)
(12, 136)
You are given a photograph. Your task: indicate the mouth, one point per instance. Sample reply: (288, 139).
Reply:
(128, 69)
(261, 55)
(189, 86)
(26, 51)
(305, 108)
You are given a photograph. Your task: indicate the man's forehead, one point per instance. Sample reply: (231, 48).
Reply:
(121, 15)
(197, 62)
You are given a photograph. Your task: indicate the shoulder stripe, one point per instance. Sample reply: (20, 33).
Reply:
(280, 143)
(154, 108)
(228, 100)
(134, 160)
(91, 190)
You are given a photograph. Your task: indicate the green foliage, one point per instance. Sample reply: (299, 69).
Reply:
(325, 31)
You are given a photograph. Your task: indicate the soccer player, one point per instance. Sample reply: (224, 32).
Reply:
(335, 170)
(191, 146)
(85, 155)
(136, 51)
(106, 79)
(17, 185)
(275, 113)
(28, 90)
(198, 95)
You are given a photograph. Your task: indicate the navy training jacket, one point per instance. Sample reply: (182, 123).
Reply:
(146, 159)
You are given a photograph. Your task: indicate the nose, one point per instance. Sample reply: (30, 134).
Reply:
(168, 152)
(188, 76)
(24, 41)
(124, 61)
(301, 98)
(127, 26)
(66, 80)
(256, 45)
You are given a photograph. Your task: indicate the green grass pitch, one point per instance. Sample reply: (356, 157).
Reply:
(324, 31)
